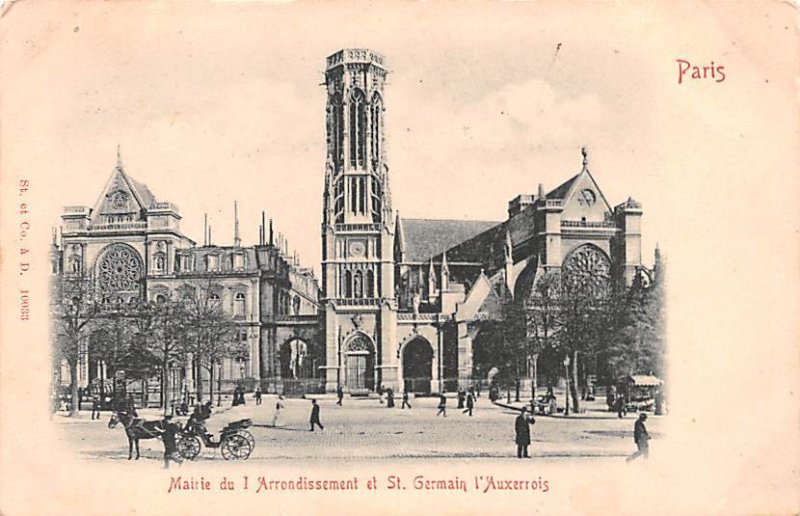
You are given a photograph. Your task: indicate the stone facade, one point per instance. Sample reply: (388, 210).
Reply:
(401, 300)
(132, 246)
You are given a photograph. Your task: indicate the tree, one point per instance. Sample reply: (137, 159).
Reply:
(542, 317)
(75, 312)
(210, 333)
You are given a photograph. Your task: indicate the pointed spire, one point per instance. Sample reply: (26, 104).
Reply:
(585, 157)
(119, 159)
(445, 283)
(237, 242)
(205, 229)
(209, 236)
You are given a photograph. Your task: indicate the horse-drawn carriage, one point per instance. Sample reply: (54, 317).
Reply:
(235, 442)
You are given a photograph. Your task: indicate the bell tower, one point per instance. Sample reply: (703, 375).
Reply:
(357, 221)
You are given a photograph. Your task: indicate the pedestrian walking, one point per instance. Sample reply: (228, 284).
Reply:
(390, 398)
(442, 405)
(478, 389)
(523, 433)
(314, 420)
(470, 404)
(258, 395)
(405, 401)
(461, 397)
(641, 438)
(168, 431)
(619, 406)
(278, 410)
(96, 407)
(339, 395)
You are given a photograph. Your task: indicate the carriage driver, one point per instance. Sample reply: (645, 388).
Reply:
(168, 432)
(197, 421)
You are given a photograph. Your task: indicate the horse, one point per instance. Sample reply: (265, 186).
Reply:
(136, 429)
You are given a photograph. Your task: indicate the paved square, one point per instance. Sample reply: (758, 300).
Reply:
(364, 429)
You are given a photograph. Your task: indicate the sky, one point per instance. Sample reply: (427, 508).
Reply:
(224, 103)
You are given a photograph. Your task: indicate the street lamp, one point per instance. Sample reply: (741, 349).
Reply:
(566, 393)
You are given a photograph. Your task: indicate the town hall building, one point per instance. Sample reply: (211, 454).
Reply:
(400, 300)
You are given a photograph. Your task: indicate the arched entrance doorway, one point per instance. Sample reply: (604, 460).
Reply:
(359, 364)
(417, 366)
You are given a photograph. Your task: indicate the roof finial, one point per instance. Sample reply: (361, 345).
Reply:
(585, 156)
(119, 158)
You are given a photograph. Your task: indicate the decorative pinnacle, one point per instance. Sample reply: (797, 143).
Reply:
(585, 156)
(119, 158)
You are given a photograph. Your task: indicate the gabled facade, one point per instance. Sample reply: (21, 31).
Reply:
(133, 248)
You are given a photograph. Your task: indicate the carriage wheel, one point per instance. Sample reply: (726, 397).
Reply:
(189, 447)
(250, 439)
(235, 447)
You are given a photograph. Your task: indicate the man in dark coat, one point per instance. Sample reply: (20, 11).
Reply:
(442, 405)
(339, 395)
(461, 397)
(470, 404)
(523, 437)
(96, 407)
(619, 406)
(169, 431)
(641, 438)
(258, 395)
(315, 416)
(405, 401)
(389, 398)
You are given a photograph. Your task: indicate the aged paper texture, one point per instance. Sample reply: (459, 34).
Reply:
(163, 156)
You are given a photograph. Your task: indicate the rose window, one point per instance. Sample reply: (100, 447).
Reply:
(119, 270)
(587, 272)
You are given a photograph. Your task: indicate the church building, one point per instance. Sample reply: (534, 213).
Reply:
(401, 301)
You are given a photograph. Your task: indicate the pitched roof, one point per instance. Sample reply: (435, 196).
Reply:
(561, 190)
(144, 193)
(426, 238)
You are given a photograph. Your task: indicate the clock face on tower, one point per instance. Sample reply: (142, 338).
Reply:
(587, 197)
(357, 248)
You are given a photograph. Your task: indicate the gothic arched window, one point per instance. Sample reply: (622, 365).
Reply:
(337, 130)
(239, 304)
(357, 133)
(348, 284)
(370, 290)
(377, 127)
(375, 191)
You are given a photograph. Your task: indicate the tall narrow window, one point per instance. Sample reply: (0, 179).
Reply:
(370, 284)
(375, 192)
(337, 131)
(358, 122)
(377, 115)
(362, 194)
(239, 304)
(348, 284)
